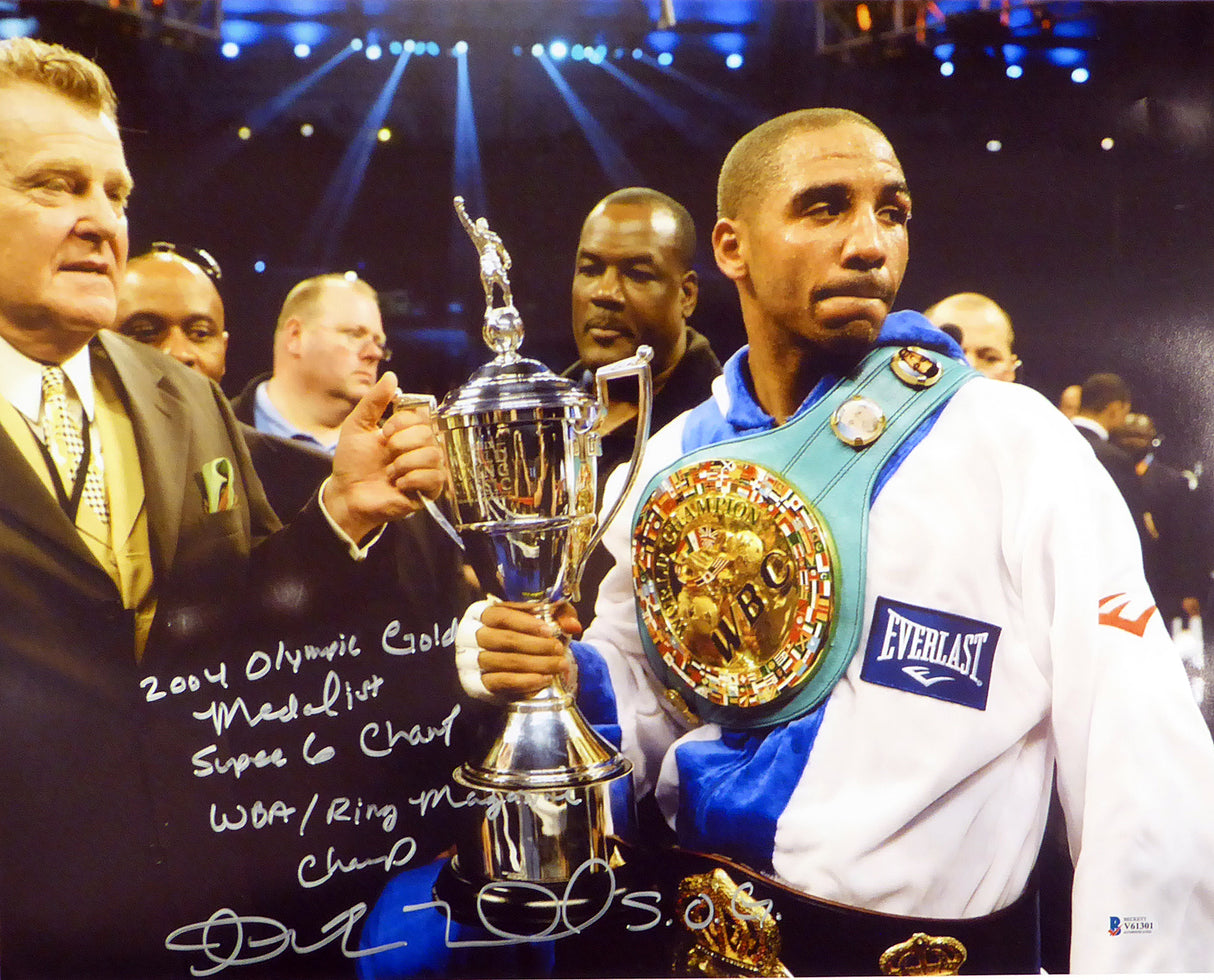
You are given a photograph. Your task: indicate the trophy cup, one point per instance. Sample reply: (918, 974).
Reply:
(522, 447)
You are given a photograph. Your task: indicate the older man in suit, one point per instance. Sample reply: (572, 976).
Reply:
(412, 587)
(134, 538)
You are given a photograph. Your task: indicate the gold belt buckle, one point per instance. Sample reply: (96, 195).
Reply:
(923, 956)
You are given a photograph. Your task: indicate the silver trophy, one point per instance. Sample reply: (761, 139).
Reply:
(522, 445)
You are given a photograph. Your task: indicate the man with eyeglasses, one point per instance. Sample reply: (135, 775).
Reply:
(328, 346)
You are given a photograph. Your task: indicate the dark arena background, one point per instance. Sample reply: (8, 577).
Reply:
(1059, 154)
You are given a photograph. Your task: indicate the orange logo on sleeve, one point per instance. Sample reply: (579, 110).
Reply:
(1116, 610)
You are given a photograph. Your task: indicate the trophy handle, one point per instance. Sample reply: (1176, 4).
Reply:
(407, 400)
(637, 365)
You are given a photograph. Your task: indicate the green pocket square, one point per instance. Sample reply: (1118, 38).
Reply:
(219, 481)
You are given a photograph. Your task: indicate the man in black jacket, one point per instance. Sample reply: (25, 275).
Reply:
(1104, 403)
(633, 284)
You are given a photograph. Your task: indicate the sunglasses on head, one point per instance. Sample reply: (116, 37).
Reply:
(199, 256)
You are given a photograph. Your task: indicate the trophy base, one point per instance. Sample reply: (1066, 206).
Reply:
(528, 910)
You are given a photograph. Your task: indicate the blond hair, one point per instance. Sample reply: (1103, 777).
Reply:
(54, 67)
(304, 296)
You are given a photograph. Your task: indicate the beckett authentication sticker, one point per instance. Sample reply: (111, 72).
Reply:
(929, 652)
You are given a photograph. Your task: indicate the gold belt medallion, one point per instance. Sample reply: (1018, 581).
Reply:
(735, 580)
(725, 932)
(924, 956)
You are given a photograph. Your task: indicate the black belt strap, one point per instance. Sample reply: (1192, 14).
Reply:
(821, 938)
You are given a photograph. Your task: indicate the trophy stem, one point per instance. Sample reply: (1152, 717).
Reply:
(545, 744)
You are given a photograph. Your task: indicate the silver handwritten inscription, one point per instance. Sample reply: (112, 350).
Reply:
(304, 742)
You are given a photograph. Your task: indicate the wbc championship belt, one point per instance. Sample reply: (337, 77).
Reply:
(749, 555)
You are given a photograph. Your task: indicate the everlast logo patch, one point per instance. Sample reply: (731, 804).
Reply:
(925, 651)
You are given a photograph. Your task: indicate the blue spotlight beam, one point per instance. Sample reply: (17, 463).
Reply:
(744, 112)
(468, 179)
(267, 112)
(688, 125)
(468, 176)
(333, 213)
(208, 160)
(618, 168)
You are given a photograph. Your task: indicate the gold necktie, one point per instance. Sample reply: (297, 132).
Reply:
(65, 439)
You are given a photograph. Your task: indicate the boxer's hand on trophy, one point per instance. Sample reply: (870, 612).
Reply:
(378, 471)
(505, 652)
(566, 618)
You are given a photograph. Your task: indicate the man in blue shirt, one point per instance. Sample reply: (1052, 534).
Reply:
(328, 347)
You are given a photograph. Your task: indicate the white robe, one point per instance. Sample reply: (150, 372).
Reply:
(912, 805)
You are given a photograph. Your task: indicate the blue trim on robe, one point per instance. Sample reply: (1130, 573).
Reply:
(732, 790)
(595, 695)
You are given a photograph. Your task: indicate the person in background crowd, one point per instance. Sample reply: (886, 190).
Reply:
(986, 332)
(1020, 544)
(633, 284)
(171, 301)
(328, 347)
(1179, 563)
(1104, 403)
(1179, 519)
(1068, 401)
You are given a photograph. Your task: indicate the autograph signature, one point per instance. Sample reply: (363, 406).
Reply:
(561, 926)
(227, 939)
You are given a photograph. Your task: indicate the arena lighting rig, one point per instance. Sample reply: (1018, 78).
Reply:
(178, 23)
(1016, 36)
(331, 216)
(1008, 33)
